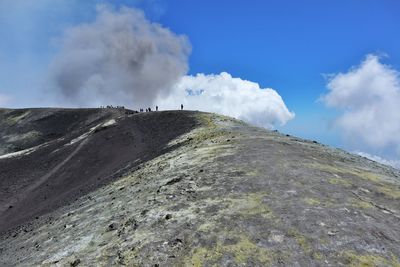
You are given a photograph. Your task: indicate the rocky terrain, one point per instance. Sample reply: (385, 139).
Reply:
(98, 187)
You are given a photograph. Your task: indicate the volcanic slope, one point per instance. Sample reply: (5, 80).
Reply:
(212, 191)
(56, 155)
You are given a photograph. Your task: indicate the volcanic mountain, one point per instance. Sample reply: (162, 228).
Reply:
(104, 187)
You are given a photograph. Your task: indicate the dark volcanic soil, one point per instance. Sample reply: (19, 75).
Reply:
(75, 152)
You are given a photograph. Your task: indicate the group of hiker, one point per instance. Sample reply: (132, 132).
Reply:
(111, 106)
(149, 109)
(140, 110)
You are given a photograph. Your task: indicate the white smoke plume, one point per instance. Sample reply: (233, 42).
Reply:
(120, 58)
(223, 94)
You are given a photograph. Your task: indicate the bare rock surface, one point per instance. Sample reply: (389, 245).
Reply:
(217, 193)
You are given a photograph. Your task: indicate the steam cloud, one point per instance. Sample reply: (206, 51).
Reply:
(221, 93)
(120, 58)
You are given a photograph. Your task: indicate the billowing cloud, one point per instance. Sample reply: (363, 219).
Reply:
(368, 96)
(221, 93)
(120, 58)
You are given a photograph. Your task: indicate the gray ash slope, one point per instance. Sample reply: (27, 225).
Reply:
(67, 153)
(200, 190)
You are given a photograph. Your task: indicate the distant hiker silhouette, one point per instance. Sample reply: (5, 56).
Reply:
(156, 108)
(181, 106)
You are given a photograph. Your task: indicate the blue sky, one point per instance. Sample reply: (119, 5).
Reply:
(286, 45)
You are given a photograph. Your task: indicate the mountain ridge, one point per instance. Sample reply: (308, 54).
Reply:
(224, 193)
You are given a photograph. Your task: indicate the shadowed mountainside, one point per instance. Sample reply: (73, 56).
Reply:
(61, 154)
(190, 189)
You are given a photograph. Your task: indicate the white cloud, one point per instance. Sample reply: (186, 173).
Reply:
(393, 163)
(369, 97)
(221, 93)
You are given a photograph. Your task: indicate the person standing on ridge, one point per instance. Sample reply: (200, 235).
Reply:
(181, 106)
(156, 108)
